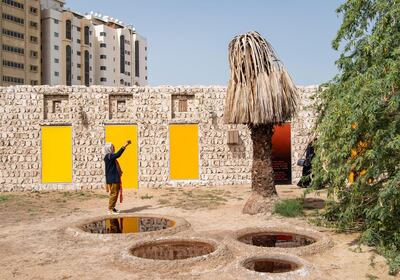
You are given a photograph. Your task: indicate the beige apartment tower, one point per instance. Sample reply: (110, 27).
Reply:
(20, 42)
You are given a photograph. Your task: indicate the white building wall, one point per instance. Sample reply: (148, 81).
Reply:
(52, 4)
(53, 45)
(50, 55)
(106, 58)
(141, 55)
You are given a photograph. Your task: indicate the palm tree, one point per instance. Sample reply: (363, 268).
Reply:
(260, 94)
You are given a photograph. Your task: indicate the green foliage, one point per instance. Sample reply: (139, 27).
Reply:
(359, 112)
(289, 208)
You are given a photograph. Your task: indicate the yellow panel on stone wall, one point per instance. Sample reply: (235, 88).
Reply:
(118, 135)
(184, 151)
(56, 154)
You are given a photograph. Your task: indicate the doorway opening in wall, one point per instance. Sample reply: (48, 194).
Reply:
(281, 154)
(184, 151)
(118, 135)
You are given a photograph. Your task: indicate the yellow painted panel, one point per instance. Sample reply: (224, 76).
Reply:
(184, 151)
(56, 154)
(130, 225)
(118, 135)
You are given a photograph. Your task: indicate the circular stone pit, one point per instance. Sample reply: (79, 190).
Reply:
(276, 239)
(129, 226)
(174, 255)
(172, 250)
(280, 239)
(274, 266)
(266, 265)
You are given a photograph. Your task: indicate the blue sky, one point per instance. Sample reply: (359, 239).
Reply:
(188, 39)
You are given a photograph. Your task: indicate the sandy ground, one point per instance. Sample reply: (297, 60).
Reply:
(34, 244)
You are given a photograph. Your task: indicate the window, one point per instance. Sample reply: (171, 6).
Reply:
(34, 39)
(34, 68)
(103, 56)
(103, 45)
(14, 4)
(56, 60)
(78, 53)
(34, 54)
(137, 59)
(34, 82)
(56, 21)
(33, 10)
(103, 34)
(33, 24)
(56, 47)
(56, 34)
(103, 68)
(122, 53)
(145, 48)
(78, 78)
(13, 18)
(56, 74)
(127, 63)
(13, 34)
(103, 79)
(68, 65)
(78, 41)
(87, 68)
(86, 35)
(68, 31)
(14, 80)
(12, 49)
(78, 65)
(78, 29)
(13, 64)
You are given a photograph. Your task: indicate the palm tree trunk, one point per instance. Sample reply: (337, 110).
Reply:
(262, 173)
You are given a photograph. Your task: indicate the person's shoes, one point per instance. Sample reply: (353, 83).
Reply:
(113, 211)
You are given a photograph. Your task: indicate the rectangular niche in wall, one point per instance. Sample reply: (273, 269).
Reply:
(233, 137)
(120, 106)
(56, 154)
(184, 151)
(56, 107)
(184, 106)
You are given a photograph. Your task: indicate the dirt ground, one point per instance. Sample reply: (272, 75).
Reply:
(34, 244)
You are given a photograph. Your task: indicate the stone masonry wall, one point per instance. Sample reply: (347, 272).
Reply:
(24, 110)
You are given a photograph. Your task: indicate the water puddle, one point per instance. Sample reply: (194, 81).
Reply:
(280, 240)
(128, 225)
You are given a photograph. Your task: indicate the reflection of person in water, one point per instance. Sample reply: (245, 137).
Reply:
(114, 226)
(305, 179)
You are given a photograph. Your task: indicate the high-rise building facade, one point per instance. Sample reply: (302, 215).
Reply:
(119, 55)
(90, 50)
(67, 48)
(20, 42)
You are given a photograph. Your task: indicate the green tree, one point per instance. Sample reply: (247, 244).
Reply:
(359, 126)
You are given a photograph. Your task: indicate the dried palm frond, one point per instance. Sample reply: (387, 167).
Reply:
(260, 91)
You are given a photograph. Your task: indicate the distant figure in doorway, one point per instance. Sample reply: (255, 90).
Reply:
(305, 179)
(113, 174)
